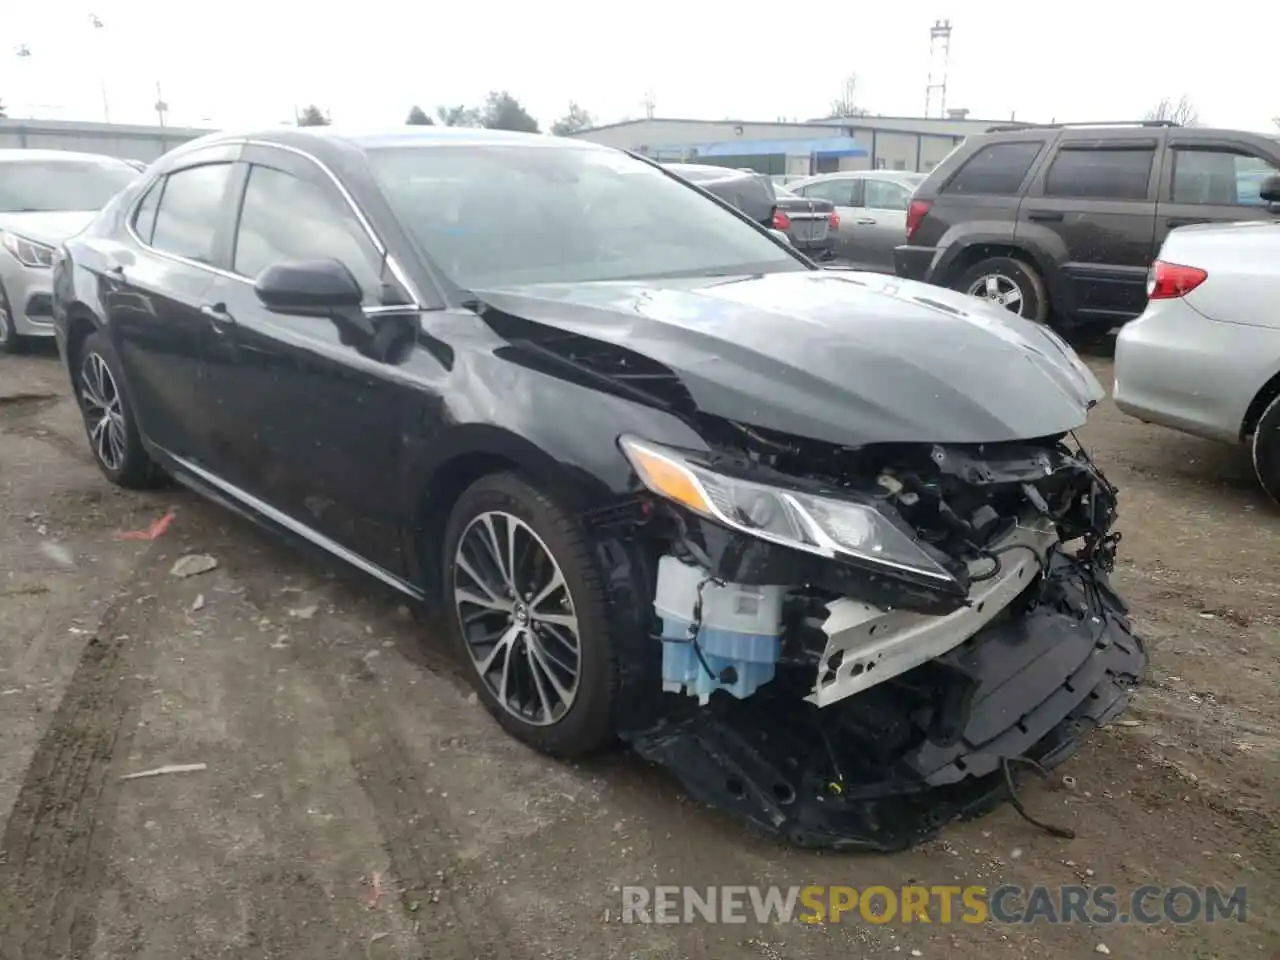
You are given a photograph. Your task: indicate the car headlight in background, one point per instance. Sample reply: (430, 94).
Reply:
(815, 524)
(27, 252)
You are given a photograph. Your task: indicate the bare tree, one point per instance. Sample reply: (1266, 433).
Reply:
(1183, 112)
(573, 121)
(846, 104)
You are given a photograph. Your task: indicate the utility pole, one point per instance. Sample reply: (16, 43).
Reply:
(96, 23)
(939, 51)
(162, 108)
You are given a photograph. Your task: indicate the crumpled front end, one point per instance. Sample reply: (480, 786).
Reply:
(860, 645)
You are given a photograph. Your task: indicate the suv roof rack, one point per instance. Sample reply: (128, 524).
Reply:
(1006, 127)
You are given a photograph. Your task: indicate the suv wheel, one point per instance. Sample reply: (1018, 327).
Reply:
(1266, 450)
(1009, 283)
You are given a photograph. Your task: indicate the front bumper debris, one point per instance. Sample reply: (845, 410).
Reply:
(885, 769)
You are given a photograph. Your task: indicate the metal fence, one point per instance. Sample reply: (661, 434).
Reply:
(116, 140)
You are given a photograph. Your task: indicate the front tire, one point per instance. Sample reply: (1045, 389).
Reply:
(1009, 283)
(108, 416)
(1266, 450)
(527, 611)
(10, 341)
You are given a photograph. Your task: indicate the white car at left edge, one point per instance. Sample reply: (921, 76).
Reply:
(1204, 357)
(46, 196)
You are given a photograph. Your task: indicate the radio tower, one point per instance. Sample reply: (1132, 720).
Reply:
(935, 94)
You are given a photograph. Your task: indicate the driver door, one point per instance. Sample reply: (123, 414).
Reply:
(303, 421)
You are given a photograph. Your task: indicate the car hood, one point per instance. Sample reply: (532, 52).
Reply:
(850, 358)
(48, 226)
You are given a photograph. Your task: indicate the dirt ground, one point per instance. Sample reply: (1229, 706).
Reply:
(358, 803)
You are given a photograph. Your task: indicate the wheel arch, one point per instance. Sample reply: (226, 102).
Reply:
(1270, 390)
(977, 250)
(81, 323)
(475, 451)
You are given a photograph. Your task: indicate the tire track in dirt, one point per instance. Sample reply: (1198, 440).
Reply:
(54, 850)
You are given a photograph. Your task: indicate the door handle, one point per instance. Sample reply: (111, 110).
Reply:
(1186, 221)
(865, 222)
(218, 316)
(1045, 216)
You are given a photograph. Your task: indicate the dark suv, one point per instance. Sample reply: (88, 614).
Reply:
(1064, 220)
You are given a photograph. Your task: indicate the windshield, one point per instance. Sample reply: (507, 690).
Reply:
(39, 186)
(495, 215)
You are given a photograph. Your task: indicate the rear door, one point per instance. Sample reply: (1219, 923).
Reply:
(1212, 181)
(885, 218)
(153, 291)
(1092, 207)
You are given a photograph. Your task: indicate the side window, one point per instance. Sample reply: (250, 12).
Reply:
(287, 218)
(886, 195)
(996, 169)
(1218, 176)
(144, 218)
(839, 192)
(189, 211)
(1100, 174)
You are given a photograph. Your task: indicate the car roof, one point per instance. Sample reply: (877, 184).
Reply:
(897, 176)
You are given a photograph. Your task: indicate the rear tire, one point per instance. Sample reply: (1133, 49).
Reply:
(1009, 283)
(512, 626)
(1266, 450)
(109, 420)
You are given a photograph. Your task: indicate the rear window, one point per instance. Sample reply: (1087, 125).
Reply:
(997, 168)
(1106, 174)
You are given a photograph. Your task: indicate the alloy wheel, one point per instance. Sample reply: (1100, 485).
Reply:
(517, 618)
(103, 411)
(4, 322)
(998, 289)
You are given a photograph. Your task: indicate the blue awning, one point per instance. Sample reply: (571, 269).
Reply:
(827, 146)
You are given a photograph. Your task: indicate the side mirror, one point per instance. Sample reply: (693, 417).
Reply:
(1270, 191)
(308, 288)
(781, 236)
(316, 288)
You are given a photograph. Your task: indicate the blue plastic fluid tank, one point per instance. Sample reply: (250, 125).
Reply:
(741, 628)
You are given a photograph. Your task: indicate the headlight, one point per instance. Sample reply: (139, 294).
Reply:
(28, 252)
(815, 524)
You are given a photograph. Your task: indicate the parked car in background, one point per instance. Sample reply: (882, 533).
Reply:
(812, 225)
(428, 352)
(1061, 222)
(1204, 357)
(872, 208)
(747, 190)
(45, 197)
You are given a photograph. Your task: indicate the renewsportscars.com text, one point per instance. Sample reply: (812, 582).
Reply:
(1007, 904)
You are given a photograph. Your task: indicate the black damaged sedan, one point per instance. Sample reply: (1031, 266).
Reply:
(821, 543)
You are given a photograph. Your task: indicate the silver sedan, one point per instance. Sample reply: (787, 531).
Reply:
(1204, 357)
(872, 206)
(45, 197)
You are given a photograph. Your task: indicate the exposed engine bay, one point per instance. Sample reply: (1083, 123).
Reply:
(859, 645)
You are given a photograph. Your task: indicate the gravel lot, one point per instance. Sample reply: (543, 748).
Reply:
(357, 803)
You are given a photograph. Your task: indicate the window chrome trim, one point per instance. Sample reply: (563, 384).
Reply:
(392, 263)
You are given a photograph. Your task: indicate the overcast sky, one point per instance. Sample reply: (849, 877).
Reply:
(248, 62)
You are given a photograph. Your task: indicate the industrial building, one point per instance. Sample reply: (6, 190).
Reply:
(113, 139)
(796, 149)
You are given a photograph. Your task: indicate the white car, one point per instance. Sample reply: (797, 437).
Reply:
(1204, 357)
